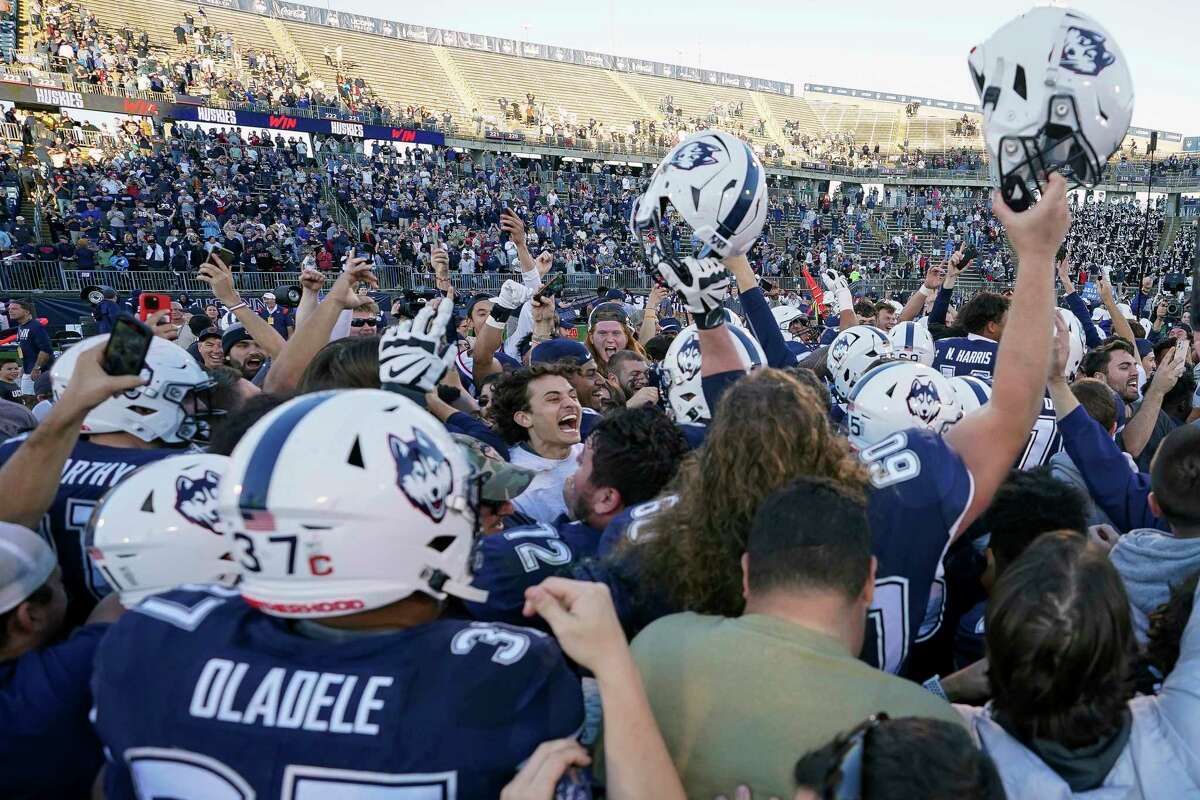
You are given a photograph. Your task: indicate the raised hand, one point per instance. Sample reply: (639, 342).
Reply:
(356, 271)
(702, 283)
(511, 224)
(312, 280)
(1064, 276)
(219, 277)
(90, 385)
(1040, 229)
(837, 290)
(514, 294)
(413, 355)
(583, 619)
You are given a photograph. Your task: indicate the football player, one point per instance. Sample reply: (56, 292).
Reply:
(47, 746)
(143, 424)
(628, 459)
(331, 670)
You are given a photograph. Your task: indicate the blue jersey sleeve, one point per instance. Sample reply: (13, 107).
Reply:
(1118, 490)
(460, 422)
(969, 637)
(763, 326)
(716, 385)
(1079, 308)
(941, 306)
(47, 745)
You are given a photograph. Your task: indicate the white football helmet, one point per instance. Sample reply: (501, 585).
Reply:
(851, 352)
(716, 183)
(972, 393)
(681, 371)
(912, 341)
(344, 501)
(173, 406)
(159, 528)
(898, 395)
(784, 317)
(1056, 95)
(1078, 342)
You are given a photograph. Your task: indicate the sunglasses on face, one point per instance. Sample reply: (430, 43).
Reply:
(359, 323)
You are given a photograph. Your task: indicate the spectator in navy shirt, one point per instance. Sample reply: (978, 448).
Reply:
(36, 353)
(277, 316)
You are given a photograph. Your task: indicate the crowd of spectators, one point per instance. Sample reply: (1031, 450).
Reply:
(707, 550)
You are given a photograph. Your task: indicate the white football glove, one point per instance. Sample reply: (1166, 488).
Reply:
(513, 295)
(837, 290)
(702, 283)
(413, 355)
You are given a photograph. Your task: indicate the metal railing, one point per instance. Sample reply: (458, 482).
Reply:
(54, 277)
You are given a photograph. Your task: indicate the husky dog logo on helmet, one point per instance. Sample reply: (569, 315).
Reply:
(196, 499)
(422, 472)
(923, 399)
(1085, 52)
(689, 359)
(840, 347)
(694, 154)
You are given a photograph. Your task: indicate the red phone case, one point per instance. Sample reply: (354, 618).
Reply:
(164, 301)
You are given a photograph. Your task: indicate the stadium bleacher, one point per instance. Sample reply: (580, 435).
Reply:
(274, 62)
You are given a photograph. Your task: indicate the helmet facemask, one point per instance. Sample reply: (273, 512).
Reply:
(1058, 147)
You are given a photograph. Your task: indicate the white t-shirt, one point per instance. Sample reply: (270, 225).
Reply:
(542, 500)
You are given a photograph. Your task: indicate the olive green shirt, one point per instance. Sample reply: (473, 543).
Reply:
(740, 700)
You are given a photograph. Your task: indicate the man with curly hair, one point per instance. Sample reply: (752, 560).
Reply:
(537, 412)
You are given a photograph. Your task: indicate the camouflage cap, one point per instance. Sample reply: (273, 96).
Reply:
(502, 481)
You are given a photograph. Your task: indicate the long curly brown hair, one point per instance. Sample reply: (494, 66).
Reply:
(768, 429)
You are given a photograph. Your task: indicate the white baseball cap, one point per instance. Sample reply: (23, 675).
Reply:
(268, 296)
(26, 562)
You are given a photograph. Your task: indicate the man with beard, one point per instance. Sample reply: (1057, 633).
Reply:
(1115, 362)
(250, 345)
(242, 352)
(627, 460)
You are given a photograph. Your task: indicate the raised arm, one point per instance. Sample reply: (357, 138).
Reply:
(289, 365)
(990, 440)
(1075, 303)
(916, 302)
(650, 315)
(1138, 430)
(513, 296)
(220, 278)
(1120, 325)
(31, 476)
(758, 313)
(637, 763)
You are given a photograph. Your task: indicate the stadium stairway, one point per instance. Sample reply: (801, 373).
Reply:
(462, 89)
(770, 124)
(634, 96)
(286, 44)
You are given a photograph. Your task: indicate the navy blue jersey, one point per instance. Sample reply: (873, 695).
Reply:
(920, 490)
(1044, 439)
(235, 703)
(91, 471)
(508, 563)
(47, 746)
(966, 355)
